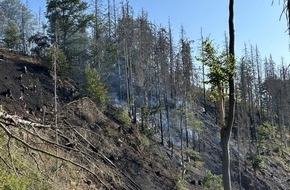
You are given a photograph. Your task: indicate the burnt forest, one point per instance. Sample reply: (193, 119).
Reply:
(96, 96)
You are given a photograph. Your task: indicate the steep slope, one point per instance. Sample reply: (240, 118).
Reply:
(107, 154)
(89, 149)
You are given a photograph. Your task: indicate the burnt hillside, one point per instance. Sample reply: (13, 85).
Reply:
(112, 155)
(104, 151)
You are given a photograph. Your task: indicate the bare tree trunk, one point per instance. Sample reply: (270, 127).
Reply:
(225, 137)
(168, 121)
(185, 124)
(55, 91)
(226, 131)
(203, 74)
(161, 127)
(181, 142)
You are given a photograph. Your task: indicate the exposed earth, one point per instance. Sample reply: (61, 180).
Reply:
(118, 155)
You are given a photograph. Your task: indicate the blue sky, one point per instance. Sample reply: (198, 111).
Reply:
(256, 21)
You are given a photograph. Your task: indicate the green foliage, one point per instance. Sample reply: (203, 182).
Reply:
(258, 161)
(27, 177)
(122, 117)
(180, 182)
(63, 68)
(9, 181)
(192, 153)
(265, 133)
(278, 149)
(196, 124)
(145, 112)
(221, 67)
(144, 142)
(149, 132)
(94, 87)
(212, 182)
(66, 17)
(11, 35)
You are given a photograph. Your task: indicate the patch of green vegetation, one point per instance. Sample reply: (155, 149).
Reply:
(212, 181)
(9, 181)
(258, 161)
(95, 88)
(149, 132)
(63, 68)
(195, 156)
(144, 142)
(265, 133)
(122, 117)
(180, 182)
(192, 154)
(196, 124)
(16, 172)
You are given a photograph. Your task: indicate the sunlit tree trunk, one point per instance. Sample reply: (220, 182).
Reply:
(226, 131)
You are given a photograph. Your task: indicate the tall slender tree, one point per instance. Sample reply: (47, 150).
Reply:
(226, 131)
(222, 74)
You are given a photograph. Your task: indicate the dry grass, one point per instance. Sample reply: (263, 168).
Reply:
(11, 55)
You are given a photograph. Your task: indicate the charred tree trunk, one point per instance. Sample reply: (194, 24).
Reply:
(226, 131)
(225, 137)
(161, 128)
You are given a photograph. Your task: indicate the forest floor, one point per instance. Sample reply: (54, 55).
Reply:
(112, 154)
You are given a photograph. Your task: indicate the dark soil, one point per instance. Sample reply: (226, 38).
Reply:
(138, 163)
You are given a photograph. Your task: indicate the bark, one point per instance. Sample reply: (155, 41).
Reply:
(168, 122)
(161, 127)
(226, 131)
(225, 137)
(181, 143)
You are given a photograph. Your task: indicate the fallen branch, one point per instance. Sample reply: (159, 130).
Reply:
(105, 157)
(92, 146)
(11, 135)
(14, 119)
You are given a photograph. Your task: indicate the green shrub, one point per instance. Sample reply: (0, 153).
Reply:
(122, 117)
(11, 35)
(192, 154)
(212, 182)
(180, 182)
(266, 131)
(149, 132)
(196, 124)
(95, 88)
(258, 162)
(63, 68)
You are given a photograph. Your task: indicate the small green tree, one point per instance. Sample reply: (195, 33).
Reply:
(258, 162)
(11, 35)
(212, 182)
(266, 132)
(94, 87)
(221, 77)
(62, 66)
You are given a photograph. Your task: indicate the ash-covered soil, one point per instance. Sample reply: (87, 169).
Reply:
(127, 158)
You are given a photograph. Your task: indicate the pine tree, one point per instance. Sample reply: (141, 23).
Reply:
(69, 17)
(12, 35)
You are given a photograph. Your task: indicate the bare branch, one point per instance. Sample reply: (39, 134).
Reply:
(10, 155)
(11, 135)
